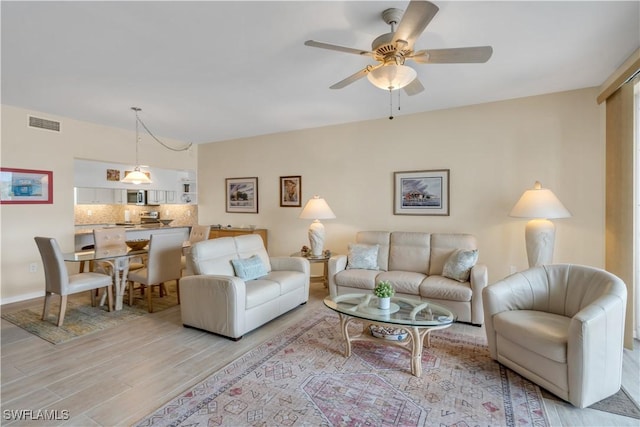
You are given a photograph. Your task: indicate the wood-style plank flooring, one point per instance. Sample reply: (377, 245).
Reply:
(117, 376)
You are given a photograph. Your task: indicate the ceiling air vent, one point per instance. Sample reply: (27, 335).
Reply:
(37, 122)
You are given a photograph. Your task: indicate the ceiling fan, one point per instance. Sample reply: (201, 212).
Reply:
(392, 49)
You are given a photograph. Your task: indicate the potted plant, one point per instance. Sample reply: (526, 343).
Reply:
(384, 291)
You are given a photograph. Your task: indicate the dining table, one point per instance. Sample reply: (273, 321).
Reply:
(118, 258)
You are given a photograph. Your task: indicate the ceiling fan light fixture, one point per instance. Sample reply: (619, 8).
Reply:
(392, 76)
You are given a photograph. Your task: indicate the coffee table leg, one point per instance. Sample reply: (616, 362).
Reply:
(344, 325)
(416, 351)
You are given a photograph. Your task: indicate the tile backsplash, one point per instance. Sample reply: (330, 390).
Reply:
(110, 214)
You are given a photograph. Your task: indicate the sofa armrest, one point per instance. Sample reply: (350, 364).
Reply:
(214, 303)
(478, 278)
(286, 263)
(337, 263)
(595, 349)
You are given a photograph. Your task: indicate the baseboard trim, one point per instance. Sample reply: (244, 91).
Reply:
(19, 298)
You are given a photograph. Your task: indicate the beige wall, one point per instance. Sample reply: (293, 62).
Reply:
(23, 147)
(494, 151)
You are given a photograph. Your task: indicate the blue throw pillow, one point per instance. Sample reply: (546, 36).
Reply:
(249, 268)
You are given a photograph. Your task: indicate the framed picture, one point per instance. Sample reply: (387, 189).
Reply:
(421, 192)
(25, 186)
(242, 195)
(290, 191)
(113, 175)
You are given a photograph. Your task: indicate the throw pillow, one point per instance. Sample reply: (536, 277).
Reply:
(362, 256)
(249, 268)
(458, 265)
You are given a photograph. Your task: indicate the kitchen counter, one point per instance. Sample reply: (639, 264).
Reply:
(84, 235)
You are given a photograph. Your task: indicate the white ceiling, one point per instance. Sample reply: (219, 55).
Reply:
(208, 71)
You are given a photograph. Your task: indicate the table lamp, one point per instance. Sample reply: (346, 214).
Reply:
(316, 209)
(539, 204)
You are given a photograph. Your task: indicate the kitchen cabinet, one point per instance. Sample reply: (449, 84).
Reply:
(94, 196)
(120, 197)
(170, 197)
(155, 197)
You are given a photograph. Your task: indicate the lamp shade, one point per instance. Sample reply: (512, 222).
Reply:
(317, 208)
(539, 203)
(136, 177)
(392, 76)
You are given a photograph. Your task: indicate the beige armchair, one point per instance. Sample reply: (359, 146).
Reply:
(58, 281)
(561, 326)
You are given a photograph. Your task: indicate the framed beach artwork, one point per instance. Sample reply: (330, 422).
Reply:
(25, 186)
(421, 192)
(241, 195)
(290, 191)
(113, 175)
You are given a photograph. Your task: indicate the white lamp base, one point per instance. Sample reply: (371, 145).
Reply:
(316, 238)
(540, 235)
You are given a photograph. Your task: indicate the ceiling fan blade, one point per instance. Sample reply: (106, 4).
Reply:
(460, 55)
(414, 88)
(354, 77)
(328, 46)
(415, 19)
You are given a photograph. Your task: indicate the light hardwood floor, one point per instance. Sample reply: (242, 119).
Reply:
(117, 376)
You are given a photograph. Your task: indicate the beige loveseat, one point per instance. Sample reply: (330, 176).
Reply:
(413, 262)
(562, 327)
(217, 300)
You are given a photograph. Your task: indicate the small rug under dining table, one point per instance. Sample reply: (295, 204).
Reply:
(301, 377)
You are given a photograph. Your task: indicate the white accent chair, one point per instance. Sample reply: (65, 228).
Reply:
(163, 265)
(58, 281)
(562, 327)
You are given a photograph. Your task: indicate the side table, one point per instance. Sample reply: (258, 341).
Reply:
(324, 278)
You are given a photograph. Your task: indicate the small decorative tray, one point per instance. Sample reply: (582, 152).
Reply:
(388, 332)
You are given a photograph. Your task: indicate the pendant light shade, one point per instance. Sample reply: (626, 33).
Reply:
(392, 77)
(136, 177)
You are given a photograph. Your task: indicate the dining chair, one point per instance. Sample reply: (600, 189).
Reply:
(198, 233)
(105, 239)
(58, 281)
(163, 264)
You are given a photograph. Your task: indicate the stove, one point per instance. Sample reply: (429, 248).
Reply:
(150, 217)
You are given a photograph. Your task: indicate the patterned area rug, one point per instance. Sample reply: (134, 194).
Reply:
(82, 319)
(301, 377)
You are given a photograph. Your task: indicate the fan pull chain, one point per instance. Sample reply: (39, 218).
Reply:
(398, 100)
(390, 104)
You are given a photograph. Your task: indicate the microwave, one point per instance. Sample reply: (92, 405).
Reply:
(136, 197)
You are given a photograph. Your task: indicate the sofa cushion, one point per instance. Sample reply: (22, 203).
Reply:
(288, 280)
(249, 268)
(213, 256)
(404, 282)
(260, 291)
(442, 288)
(362, 256)
(540, 332)
(252, 244)
(444, 244)
(380, 238)
(363, 279)
(458, 265)
(410, 251)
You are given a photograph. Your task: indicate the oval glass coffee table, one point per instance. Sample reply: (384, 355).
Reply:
(417, 317)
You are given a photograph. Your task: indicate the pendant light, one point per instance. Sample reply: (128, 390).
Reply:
(136, 177)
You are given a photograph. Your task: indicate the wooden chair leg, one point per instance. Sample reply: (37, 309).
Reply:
(130, 294)
(63, 309)
(149, 303)
(178, 289)
(163, 290)
(109, 297)
(47, 305)
(93, 298)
